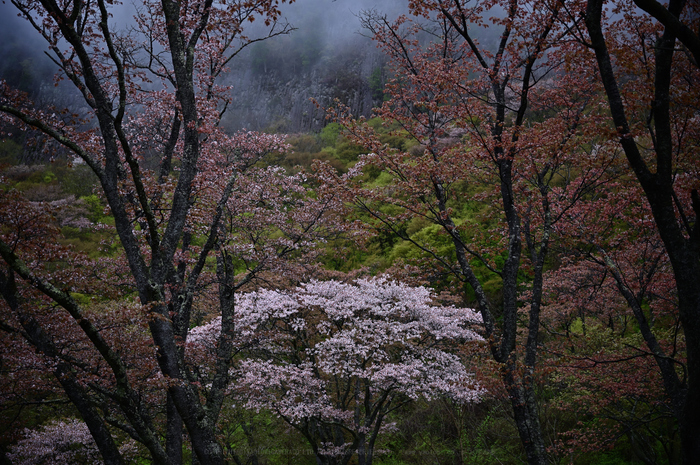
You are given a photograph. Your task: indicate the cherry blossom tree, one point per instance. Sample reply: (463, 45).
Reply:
(60, 443)
(650, 73)
(195, 217)
(507, 131)
(334, 360)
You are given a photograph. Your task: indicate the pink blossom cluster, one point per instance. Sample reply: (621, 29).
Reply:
(378, 341)
(62, 442)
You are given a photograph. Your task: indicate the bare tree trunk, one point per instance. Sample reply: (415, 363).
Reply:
(682, 243)
(173, 434)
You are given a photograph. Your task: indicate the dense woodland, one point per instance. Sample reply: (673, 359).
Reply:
(499, 263)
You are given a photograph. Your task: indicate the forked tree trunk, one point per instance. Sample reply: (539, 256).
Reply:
(525, 413)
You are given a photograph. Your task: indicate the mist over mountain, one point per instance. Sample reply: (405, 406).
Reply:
(325, 58)
(275, 80)
(23, 63)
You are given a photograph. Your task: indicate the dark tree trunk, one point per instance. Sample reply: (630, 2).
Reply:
(173, 433)
(525, 412)
(63, 373)
(683, 247)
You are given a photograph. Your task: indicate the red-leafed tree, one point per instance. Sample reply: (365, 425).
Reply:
(506, 129)
(195, 217)
(335, 360)
(611, 322)
(649, 69)
(268, 225)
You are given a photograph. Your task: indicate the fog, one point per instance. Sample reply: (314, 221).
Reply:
(324, 58)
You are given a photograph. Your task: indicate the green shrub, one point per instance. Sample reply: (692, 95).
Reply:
(95, 207)
(78, 180)
(329, 135)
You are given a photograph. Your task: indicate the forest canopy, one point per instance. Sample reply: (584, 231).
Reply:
(502, 264)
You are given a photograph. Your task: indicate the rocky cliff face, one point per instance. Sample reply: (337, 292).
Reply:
(277, 83)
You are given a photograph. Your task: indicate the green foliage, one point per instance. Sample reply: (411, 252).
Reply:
(441, 432)
(261, 437)
(49, 177)
(78, 180)
(432, 235)
(347, 152)
(329, 134)
(609, 458)
(305, 143)
(82, 299)
(396, 141)
(95, 207)
(89, 241)
(67, 179)
(576, 327)
(382, 126)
